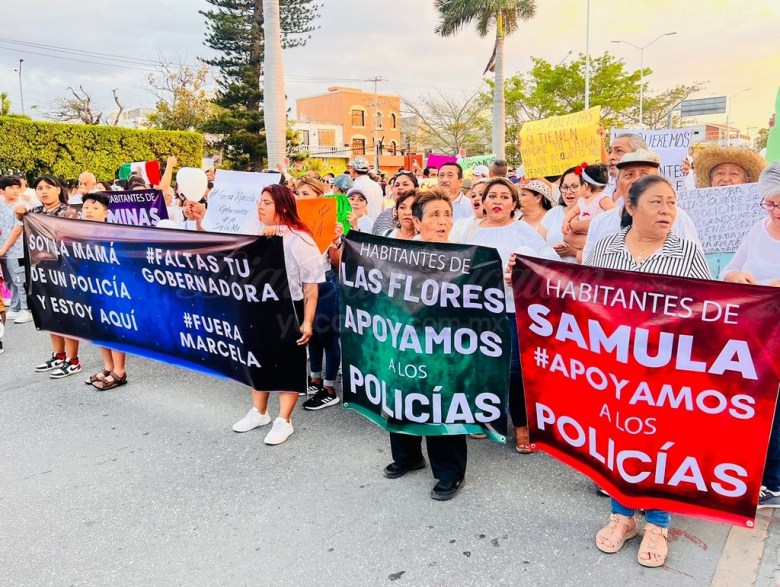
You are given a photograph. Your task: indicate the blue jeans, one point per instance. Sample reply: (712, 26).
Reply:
(660, 518)
(325, 338)
(516, 391)
(772, 467)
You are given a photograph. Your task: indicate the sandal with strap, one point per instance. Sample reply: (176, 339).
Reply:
(654, 546)
(609, 532)
(106, 384)
(98, 377)
(522, 440)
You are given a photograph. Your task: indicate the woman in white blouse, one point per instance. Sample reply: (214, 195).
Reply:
(278, 215)
(501, 231)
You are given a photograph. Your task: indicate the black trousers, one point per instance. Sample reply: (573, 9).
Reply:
(447, 454)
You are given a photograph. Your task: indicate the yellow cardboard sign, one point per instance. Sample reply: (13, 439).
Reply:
(551, 145)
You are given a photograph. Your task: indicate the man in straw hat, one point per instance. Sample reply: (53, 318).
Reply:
(719, 166)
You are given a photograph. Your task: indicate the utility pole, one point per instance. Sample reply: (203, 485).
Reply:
(375, 80)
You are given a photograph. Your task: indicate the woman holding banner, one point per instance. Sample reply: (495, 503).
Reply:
(646, 245)
(53, 196)
(433, 219)
(278, 215)
(757, 262)
(325, 336)
(500, 230)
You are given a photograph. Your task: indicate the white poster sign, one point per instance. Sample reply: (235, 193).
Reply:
(233, 200)
(672, 146)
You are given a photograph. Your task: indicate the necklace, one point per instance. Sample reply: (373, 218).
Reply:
(642, 254)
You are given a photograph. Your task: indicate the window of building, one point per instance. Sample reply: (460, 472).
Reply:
(358, 146)
(358, 117)
(327, 138)
(379, 119)
(393, 120)
(393, 148)
(304, 137)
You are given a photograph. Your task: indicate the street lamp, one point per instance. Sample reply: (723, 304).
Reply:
(21, 93)
(642, 71)
(728, 115)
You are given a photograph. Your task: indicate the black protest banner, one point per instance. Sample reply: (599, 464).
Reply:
(425, 336)
(214, 303)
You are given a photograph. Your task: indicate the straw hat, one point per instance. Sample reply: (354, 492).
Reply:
(708, 159)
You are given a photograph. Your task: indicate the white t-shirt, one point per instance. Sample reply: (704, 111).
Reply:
(373, 192)
(508, 239)
(758, 254)
(462, 208)
(365, 224)
(303, 261)
(608, 223)
(553, 222)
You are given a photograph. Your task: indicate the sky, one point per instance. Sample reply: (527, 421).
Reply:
(729, 44)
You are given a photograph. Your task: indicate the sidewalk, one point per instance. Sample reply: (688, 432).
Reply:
(148, 485)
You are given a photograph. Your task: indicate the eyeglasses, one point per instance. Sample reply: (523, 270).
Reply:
(769, 205)
(570, 188)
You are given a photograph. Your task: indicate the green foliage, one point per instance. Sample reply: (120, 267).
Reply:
(503, 15)
(183, 101)
(235, 32)
(34, 148)
(762, 136)
(5, 104)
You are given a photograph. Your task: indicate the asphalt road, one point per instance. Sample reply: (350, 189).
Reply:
(148, 485)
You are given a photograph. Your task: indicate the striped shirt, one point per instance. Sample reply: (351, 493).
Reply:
(678, 257)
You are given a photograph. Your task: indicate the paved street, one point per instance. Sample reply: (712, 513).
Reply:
(148, 485)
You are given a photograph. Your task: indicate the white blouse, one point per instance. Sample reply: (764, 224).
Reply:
(758, 254)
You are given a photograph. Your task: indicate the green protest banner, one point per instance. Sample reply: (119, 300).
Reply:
(424, 335)
(469, 163)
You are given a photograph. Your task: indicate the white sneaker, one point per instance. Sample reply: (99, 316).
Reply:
(252, 420)
(24, 317)
(280, 432)
(2, 328)
(12, 314)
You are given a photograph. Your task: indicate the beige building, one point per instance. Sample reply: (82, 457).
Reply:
(369, 123)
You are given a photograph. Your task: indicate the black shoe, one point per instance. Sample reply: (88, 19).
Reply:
(395, 470)
(445, 490)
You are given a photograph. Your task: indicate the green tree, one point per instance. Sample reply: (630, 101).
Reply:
(5, 104)
(447, 123)
(657, 109)
(761, 139)
(503, 15)
(183, 97)
(235, 32)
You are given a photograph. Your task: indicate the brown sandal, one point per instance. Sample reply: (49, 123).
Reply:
(609, 532)
(98, 377)
(105, 384)
(522, 440)
(654, 543)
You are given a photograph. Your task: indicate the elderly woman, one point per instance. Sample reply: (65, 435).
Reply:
(535, 201)
(501, 231)
(720, 166)
(278, 216)
(646, 244)
(432, 213)
(758, 262)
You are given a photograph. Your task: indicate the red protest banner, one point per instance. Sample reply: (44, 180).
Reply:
(661, 390)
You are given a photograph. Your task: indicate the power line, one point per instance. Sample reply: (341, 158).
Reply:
(101, 55)
(73, 59)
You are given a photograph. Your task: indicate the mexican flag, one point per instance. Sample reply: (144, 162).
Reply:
(148, 170)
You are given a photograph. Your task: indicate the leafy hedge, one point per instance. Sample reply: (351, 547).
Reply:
(65, 150)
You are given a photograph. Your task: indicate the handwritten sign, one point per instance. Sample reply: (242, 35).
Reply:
(319, 215)
(233, 199)
(723, 215)
(469, 163)
(551, 145)
(671, 145)
(343, 210)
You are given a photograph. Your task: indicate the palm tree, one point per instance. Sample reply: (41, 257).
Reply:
(506, 15)
(275, 114)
